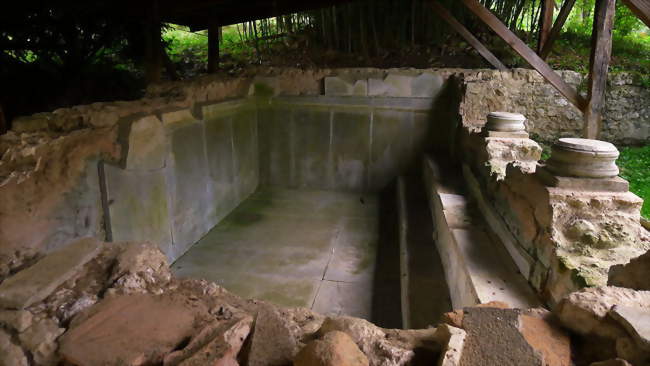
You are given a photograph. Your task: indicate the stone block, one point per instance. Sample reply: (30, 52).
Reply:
(128, 330)
(191, 194)
(272, 342)
(246, 156)
(391, 146)
(636, 321)
(37, 282)
(275, 131)
(615, 184)
(147, 144)
(351, 149)
(333, 349)
(635, 274)
(177, 116)
(507, 337)
(427, 85)
(341, 86)
(221, 170)
(393, 85)
(138, 205)
(312, 162)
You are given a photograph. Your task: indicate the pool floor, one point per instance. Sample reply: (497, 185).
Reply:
(308, 248)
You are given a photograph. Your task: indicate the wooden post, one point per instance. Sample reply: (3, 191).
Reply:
(526, 53)
(557, 28)
(153, 45)
(601, 53)
(442, 12)
(545, 23)
(641, 8)
(213, 47)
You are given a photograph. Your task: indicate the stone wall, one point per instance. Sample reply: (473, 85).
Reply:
(182, 174)
(626, 119)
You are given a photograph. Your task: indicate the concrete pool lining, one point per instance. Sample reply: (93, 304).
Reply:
(308, 248)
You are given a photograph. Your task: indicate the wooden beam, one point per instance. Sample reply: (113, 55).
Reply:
(524, 51)
(601, 53)
(545, 22)
(443, 13)
(641, 8)
(213, 47)
(557, 28)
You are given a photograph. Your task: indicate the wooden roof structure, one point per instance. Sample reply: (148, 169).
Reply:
(211, 14)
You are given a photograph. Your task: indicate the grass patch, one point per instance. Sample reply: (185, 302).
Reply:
(634, 163)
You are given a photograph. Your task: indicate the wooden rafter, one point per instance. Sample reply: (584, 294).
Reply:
(641, 8)
(557, 28)
(526, 53)
(601, 53)
(443, 13)
(545, 23)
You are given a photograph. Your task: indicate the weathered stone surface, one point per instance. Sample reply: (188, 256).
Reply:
(341, 86)
(40, 339)
(615, 184)
(371, 339)
(585, 311)
(427, 85)
(518, 152)
(147, 144)
(452, 350)
(10, 354)
(38, 281)
(549, 115)
(636, 321)
(18, 320)
(139, 206)
(333, 349)
(501, 336)
(189, 216)
(129, 330)
(552, 342)
(351, 149)
(272, 341)
(216, 345)
(141, 267)
(634, 275)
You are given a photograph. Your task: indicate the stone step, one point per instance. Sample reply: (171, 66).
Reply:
(424, 291)
(477, 267)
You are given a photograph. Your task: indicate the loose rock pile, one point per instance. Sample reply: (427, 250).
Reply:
(95, 303)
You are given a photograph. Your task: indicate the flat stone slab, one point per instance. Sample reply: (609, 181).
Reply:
(37, 282)
(615, 184)
(129, 330)
(636, 321)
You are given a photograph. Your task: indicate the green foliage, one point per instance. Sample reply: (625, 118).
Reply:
(634, 163)
(182, 44)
